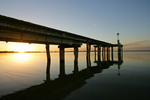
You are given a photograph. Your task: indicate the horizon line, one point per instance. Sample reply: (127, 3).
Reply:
(58, 51)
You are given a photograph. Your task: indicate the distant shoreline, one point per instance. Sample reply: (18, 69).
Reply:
(136, 50)
(66, 51)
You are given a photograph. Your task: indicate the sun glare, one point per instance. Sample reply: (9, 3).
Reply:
(21, 47)
(22, 56)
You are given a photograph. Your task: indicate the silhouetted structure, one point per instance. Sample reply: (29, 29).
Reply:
(15, 30)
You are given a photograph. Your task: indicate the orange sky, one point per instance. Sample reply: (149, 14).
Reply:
(12, 46)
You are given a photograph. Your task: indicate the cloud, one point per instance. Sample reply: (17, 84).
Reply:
(95, 24)
(136, 43)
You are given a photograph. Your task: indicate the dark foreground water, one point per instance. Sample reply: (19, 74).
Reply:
(23, 77)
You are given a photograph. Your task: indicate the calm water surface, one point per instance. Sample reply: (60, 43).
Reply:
(129, 81)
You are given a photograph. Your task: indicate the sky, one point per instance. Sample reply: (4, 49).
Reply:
(98, 19)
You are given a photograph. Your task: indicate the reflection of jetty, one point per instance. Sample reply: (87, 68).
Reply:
(59, 88)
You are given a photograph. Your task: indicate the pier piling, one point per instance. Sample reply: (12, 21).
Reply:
(75, 59)
(88, 55)
(62, 61)
(99, 53)
(108, 53)
(112, 54)
(95, 52)
(48, 59)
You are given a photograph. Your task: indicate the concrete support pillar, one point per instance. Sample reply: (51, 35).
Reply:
(75, 60)
(95, 52)
(62, 61)
(108, 53)
(119, 51)
(48, 63)
(88, 55)
(112, 54)
(99, 53)
(103, 54)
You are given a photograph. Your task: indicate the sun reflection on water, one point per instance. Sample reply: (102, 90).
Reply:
(22, 56)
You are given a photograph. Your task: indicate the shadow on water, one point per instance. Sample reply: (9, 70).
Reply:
(61, 87)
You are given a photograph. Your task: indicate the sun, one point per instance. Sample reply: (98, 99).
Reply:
(22, 56)
(21, 47)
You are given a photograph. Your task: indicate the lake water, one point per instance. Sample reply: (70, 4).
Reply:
(23, 76)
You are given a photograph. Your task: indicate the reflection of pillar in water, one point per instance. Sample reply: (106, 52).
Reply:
(48, 63)
(118, 70)
(62, 61)
(48, 77)
(75, 59)
(88, 55)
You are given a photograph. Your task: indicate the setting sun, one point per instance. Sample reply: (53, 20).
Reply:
(22, 56)
(21, 47)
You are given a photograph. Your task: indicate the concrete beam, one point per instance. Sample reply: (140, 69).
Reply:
(39, 34)
(68, 46)
(13, 35)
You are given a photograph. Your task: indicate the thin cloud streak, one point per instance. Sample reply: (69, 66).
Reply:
(136, 43)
